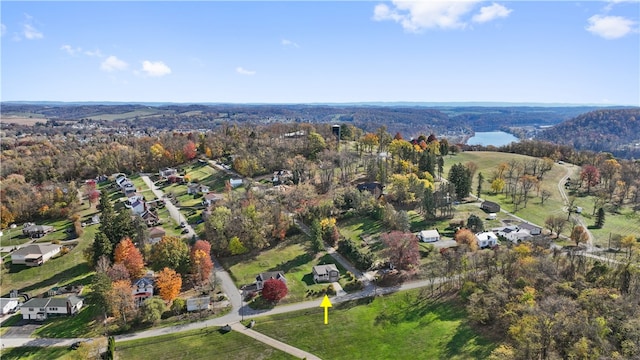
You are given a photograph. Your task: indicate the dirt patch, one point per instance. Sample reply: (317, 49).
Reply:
(20, 120)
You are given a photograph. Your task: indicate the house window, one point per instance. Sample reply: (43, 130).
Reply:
(53, 309)
(30, 309)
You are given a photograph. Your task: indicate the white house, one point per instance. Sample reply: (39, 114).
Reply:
(8, 305)
(35, 254)
(486, 239)
(514, 234)
(166, 172)
(325, 273)
(429, 235)
(235, 182)
(195, 188)
(42, 308)
(197, 304)
(142, 289)
(262, 277)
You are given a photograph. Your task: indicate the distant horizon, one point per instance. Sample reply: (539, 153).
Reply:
(359, 103)
(322, 52)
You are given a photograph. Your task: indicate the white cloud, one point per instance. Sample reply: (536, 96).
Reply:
(492, 12)
(70, 49)
(286, 42)
(243, 71)
(112, 63)
(415, 16)
(95, 53)
(610, 27)
(3, 29)
(155, 68)
(31, 33)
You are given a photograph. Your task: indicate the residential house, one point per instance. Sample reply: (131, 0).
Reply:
(532, 229)
(325, 273)
(262, 277)
(156, 234)
(429, 236)
(37, 231)
(137, 207)
(143, 289)
(374, 188)
(210, 198)
(9, 305)
(512, 233)
(486, 239)
(166, 172)
(195, 188)
(150, 218)
(41, 308)
(35, 254)
(490, 207)
(281, 177)
(235, 182)
(200, 303)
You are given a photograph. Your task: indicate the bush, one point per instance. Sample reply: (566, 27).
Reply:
(350, 250)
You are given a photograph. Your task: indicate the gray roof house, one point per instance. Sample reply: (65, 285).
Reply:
(41, 308)
(325, 273)
(35, 254)
(262, 277)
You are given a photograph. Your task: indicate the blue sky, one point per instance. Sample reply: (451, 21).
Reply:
(309, 52)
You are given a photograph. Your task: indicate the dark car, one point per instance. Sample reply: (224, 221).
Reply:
(185, 231)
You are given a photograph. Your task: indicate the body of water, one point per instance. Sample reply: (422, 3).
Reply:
(495, 138)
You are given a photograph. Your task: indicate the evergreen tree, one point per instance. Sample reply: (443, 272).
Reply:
(428, 204)
(480, 181)
(460, 177)
(101, 246)
(600, 218)
(427, 162)
(474, 223)
(316, 236)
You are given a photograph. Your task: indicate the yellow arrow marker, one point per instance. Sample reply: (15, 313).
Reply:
(326, 304)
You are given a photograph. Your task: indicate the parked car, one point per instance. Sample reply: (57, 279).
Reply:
(185, 231)
(183, 224)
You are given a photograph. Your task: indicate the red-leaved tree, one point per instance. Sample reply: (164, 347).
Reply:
(274, 290)
(591, 175)
(402, 249)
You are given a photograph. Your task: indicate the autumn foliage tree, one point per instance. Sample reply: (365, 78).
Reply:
(127, 254)
(171, 252)
(591, 175)
(169, 284)
(402, 249)
(190, 150)
(466, 237)
(274, 290)
(201, 264)
(120, 300)
(579, 235)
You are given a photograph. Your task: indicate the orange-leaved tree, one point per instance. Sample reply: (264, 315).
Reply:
(129, 255)
(201, 263)
(120, 300)
(169, 284)
(465, 236)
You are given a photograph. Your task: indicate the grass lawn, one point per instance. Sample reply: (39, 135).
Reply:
(37, 353)
(293, 257)
(400, 326)
(55, 272)
(198, 344)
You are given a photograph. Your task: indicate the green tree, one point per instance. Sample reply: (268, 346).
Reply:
(152, 309)
(474, 223)
(316, 236)
(101, 247)
(171, 252)
(460, 177)
(100, 290)
(600, 218)
(236, 247)
(315, 145)
(428, 204)
(480, 181)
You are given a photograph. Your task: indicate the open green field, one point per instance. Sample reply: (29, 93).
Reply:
(404, 325)
(198, 344)
(38, 353)
(130, 115)
(293, 257)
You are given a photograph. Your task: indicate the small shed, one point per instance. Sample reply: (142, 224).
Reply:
(490, 207)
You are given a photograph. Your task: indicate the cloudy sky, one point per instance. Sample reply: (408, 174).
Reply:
(308, 52)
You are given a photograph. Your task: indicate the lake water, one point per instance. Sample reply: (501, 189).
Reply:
(495, 138)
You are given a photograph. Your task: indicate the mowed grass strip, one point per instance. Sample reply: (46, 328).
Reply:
(37, 353)
(400, 326)
(198, 344)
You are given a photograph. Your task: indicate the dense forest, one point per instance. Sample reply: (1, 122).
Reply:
(614, 131)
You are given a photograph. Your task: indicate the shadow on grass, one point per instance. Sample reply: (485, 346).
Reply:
(70, 273)
(79, 325)
(293, 263)
(421, 309)
(466, 342)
